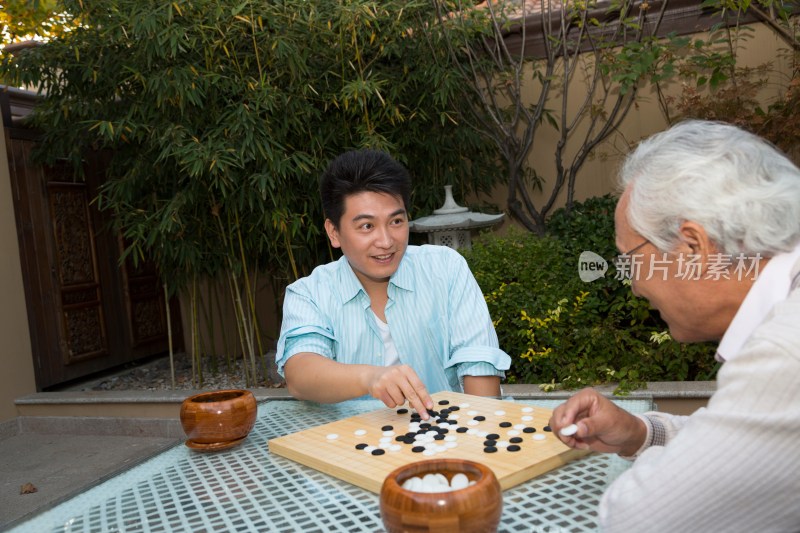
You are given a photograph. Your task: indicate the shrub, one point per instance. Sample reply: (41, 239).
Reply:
(568, 333)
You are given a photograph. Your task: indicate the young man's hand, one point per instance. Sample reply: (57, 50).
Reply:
(396, 384)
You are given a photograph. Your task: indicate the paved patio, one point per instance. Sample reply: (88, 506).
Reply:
(62, 459)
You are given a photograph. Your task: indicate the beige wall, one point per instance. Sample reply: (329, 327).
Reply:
(17, 377)
(598, 175)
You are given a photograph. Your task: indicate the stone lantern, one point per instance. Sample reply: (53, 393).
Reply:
(451, 225)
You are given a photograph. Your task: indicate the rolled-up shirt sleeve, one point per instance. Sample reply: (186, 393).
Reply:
(304, 329)
(475, 348)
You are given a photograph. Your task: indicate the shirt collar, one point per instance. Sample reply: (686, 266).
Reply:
(770, 287)
(350, 286)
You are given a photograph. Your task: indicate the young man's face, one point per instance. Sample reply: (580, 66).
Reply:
(373, 235)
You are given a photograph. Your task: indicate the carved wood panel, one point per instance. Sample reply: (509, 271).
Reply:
(87, 311)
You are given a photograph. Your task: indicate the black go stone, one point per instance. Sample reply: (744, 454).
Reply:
(361, 446)
(378, 451)
(402, 411)
(505, 424)
(418, 449)
(490, 442)
(425, 425)
(515, 440)
(438, 437)
(547, 428)
(387, 428)
(442, 421)
(529, 430)
(444, 402)
(513, 448)
(490, 449)
(432, 412)
(462, 429)
(454, 408)
(493, 436)
(480, 418)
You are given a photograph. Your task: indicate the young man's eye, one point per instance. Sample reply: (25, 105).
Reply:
(366, 226)
(398, 221)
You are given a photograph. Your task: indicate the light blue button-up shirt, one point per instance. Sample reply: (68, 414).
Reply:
(436, 313)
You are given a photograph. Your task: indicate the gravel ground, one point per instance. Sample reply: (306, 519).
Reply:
(156, 375)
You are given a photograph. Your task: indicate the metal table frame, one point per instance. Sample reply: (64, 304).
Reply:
(247, 489)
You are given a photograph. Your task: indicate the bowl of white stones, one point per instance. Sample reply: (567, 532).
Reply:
(441, 495)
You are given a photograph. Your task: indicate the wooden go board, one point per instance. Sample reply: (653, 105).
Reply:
(362, 450)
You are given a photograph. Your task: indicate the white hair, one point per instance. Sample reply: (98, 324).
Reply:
(741, 189)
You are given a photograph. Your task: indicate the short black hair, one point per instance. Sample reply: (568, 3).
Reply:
(359, 171)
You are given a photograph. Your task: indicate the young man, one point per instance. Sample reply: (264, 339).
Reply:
(725, 201)
(388, 320)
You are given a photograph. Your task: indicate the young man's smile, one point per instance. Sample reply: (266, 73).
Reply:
(373, 235)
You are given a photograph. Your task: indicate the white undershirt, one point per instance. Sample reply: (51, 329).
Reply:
(390, 355)
(770, 287)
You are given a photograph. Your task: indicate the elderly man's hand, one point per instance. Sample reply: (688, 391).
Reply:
(602, 426)
(395, 384)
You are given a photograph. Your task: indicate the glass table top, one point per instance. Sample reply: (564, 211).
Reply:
(248, 489)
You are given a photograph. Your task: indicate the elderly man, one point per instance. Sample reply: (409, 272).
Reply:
(728, 203)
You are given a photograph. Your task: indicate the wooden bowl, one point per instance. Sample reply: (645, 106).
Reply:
(475, 508)
(218, 419)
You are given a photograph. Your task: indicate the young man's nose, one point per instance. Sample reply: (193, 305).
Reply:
(383, 237)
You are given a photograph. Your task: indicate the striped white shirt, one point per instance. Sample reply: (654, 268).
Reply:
(436, 314)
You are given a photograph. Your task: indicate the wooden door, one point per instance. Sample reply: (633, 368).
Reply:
(87, 313)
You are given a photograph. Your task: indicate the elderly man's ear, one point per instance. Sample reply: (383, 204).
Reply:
(695, 240)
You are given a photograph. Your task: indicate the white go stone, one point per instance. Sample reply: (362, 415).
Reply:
(527, 418)
(459, 481)
(360, 432)
(569, 430)
(499, 413)
(539, 436)
(527, 409)
(332, 436)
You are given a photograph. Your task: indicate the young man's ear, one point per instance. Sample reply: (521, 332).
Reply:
(333, 233)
